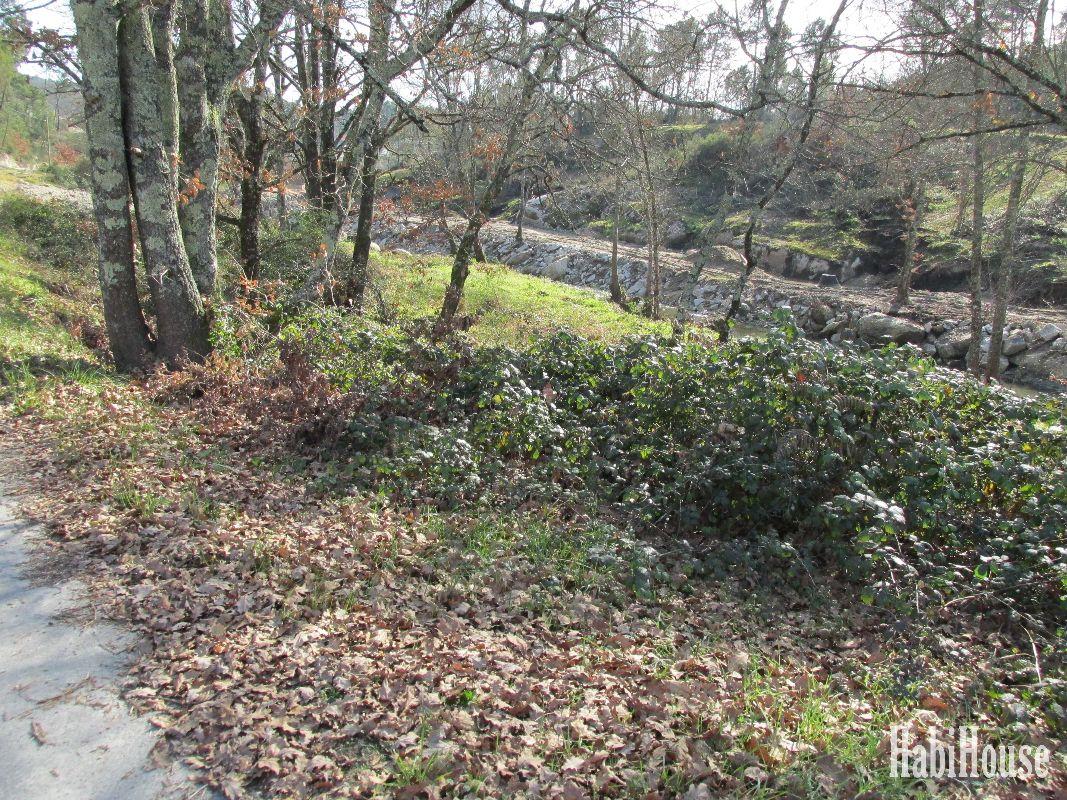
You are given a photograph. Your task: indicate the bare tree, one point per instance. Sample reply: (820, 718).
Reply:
(809, 109)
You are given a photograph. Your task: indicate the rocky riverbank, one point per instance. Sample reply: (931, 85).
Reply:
(1035, 352)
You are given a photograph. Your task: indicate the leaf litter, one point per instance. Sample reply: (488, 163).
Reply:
(301, 643)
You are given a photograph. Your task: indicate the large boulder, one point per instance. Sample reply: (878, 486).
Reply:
(1015, 343)
(677, 234)
(775, 260)
(1049, 332)
(953, 344)
(519, 256)
(723, 256)
(820, 313)
(882, 327)
(557, 269)
(1046, 361)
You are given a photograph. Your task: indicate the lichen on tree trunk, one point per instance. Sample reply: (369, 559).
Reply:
(98, 51)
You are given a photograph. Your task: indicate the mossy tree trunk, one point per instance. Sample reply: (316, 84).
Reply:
(468, 247)
(618, 296)
(97, 23)
(362, 240)
(1004, 266)
(181, 321)
(251, 143)
(974, 281)
(149, 110)
(913, 215)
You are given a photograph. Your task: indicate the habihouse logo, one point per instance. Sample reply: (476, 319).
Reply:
(957, 753)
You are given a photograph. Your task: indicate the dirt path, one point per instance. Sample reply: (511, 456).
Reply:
(925, 305)
(65, 733)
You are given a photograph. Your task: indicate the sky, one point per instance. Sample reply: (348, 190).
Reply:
(863, 20)
(863, 17)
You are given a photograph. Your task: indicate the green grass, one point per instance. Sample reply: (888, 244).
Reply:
(42, 311)
(507, 307)
(940, 219)
(817, 238)
(39, 307)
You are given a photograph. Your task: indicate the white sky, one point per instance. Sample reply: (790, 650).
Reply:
(864, 20)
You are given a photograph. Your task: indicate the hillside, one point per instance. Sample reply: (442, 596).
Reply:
(855, 228)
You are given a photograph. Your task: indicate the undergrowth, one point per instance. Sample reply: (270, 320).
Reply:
(902, 476)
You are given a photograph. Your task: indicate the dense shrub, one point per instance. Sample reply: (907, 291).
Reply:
(62, 235)
(783, 450)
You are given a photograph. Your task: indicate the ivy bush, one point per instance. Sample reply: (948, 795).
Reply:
(782, 450)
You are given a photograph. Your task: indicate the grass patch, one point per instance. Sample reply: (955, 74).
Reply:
(507, 307)
(47, 319)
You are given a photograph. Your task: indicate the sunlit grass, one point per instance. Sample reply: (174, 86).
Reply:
(506, 307)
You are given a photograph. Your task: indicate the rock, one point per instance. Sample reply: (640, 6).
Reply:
(557, 270)
(831, 328)
(829, 279)
(677, 233)
(520, 255)
(1015, 343)
(1044, 361)
(776, 260)
(929, 348)
(851, 270)
(1046, 333)
(375, 247)
(400, 251)
(818, 266)
(722, 255)
(1060, 345)
(953, 345)
(882, 327)
(821, 314)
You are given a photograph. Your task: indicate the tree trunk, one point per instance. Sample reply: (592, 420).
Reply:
(469, 241)
(617, 294)
(1003, 266)
(181, 322)
(916, 193)
(978, 211)
(723, 325)
(1005, 262)
(522, 211)
(200, 127)
(279, 177)
(465, 250)
(253, 150)
(652, 285)
(810, 109)
(961, 204)
(362, 242)
(98, 51)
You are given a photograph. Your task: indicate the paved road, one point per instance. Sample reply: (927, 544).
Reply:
(65, 734)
